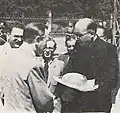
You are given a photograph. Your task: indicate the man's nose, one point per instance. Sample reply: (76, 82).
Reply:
(19, 39)
(47, 50)
(71, 48)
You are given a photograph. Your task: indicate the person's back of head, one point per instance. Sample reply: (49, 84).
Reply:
(33, 30)
(35, 34)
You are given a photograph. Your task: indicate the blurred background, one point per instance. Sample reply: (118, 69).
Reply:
(58, 13)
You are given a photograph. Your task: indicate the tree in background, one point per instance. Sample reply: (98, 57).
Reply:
(70, 8)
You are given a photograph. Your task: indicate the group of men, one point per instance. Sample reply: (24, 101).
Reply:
(34, 79)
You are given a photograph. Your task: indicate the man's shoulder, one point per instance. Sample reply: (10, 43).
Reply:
(111, 46)
(56, 62)
(63, 56)
(37, 68)
(106, 44)
(55, 56)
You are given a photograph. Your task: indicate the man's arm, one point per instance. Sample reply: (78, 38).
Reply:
(42, 98)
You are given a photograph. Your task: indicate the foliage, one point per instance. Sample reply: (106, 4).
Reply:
(70, 8)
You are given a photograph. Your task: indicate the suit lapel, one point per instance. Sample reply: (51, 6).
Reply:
(51, 72)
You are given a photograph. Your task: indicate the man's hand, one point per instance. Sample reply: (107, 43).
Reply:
(88, 88)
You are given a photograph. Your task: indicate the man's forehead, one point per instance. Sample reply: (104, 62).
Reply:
(50, 44)
(80, 31)
(17, 31)
(71, 42)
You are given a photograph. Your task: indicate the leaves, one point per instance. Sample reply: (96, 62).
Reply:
(77, 8)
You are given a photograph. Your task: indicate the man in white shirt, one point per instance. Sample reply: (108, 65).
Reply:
(22, 77)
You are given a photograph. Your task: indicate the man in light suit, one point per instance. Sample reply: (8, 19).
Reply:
(23, 78)
(52, 66)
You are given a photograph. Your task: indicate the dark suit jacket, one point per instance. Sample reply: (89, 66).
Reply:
(99, 61)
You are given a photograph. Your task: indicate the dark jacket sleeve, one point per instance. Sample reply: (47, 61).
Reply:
(41, 96)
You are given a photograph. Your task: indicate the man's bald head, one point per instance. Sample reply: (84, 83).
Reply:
(85, 30)
(83, 25)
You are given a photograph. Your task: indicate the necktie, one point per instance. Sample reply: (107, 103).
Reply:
(46, 71)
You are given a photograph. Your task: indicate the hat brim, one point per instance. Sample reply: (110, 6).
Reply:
(83, 88)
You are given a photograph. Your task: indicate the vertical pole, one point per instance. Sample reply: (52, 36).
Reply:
(111, 21)
(48, 24)
(50, 21)
(23, 18)
(114, 22)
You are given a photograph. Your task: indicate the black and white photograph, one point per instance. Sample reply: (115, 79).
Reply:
(59, 56)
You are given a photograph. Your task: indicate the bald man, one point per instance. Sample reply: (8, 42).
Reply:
(95, 59)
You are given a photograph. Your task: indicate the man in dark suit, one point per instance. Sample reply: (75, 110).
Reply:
(97, 60)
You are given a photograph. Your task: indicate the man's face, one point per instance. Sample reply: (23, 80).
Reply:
(49, 49)
(16, 37)
(70, 45)
(86, 37)
(50, 45)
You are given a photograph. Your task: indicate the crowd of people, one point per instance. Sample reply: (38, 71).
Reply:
(34, 79)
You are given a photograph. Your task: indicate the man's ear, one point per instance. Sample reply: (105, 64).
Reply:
(92, 32)
(38, 39)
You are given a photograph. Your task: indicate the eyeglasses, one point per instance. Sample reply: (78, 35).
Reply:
(71, 46)
(80, 36)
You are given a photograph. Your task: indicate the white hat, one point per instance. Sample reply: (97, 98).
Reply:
(77, 81)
